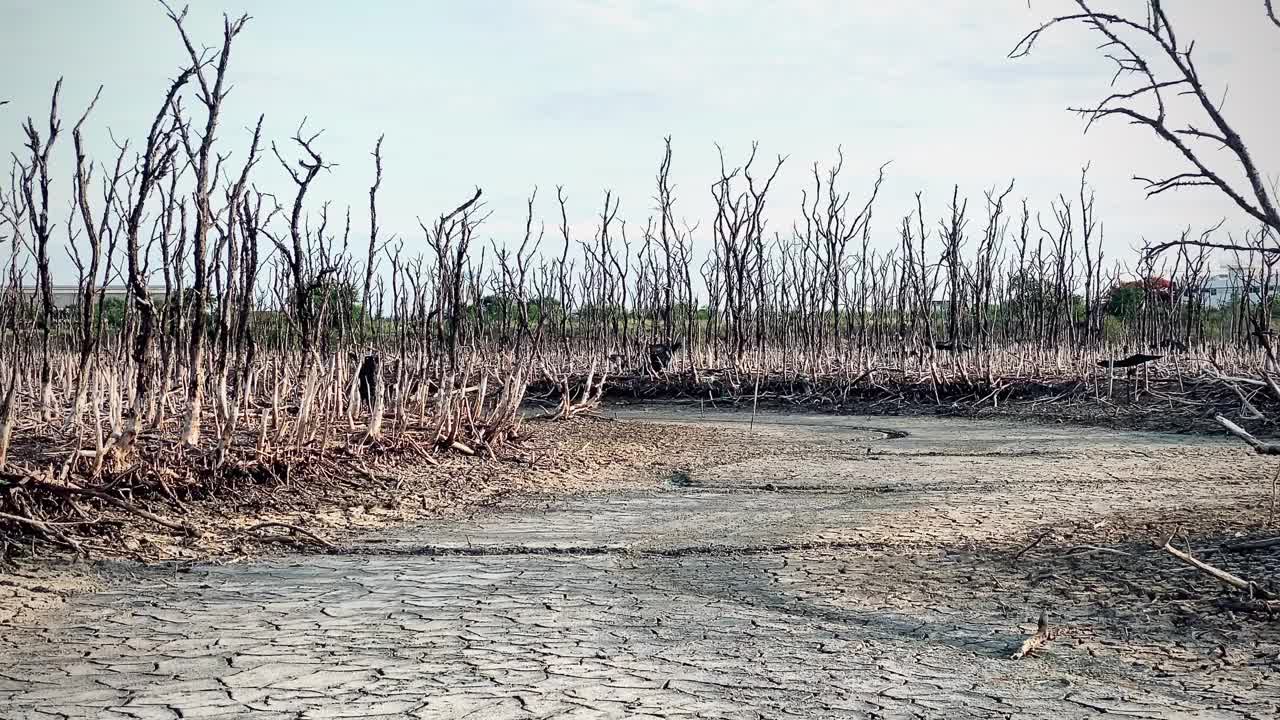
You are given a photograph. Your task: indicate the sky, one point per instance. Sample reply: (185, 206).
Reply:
(508, 95)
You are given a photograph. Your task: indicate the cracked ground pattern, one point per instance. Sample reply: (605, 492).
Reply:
(834, 578)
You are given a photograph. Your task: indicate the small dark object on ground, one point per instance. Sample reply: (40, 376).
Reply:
(660, 355)
(369, 368)
(1133, 360)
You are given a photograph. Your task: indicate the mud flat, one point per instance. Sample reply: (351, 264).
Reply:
(813, 567)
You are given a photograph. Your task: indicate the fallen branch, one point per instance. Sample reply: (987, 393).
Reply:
(1260, 447)
(1221, 576)
(182, 527)
(45, 528)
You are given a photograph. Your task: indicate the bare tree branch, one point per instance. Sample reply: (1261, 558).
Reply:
(1121, 45)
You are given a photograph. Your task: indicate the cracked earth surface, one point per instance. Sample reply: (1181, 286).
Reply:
(846, 572)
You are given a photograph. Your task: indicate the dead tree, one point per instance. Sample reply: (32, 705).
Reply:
(515, 278)
(1093, 256)
(371, 263)
(35, 189)
(151, 166)
(251, 220)
(667, 235)
(212, 93)
(239, 289)
(88, 263)
(304, 279)
(1149, 52)
(952, 233)
(737, 232)
(829, 227)
(12, 213)
(450, 238)
(984, 279)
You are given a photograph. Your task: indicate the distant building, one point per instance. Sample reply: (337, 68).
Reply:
(66, 296)
(1228, 286)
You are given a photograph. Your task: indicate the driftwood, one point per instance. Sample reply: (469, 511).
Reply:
(1221, 576)
(1259, 446)
(1041, 637)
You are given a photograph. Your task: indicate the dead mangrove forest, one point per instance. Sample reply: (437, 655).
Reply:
(218, 334)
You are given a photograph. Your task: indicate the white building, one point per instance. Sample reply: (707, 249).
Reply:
(1228, 286)
(65, 296)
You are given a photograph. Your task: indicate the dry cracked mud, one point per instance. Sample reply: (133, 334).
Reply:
(859, 567)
